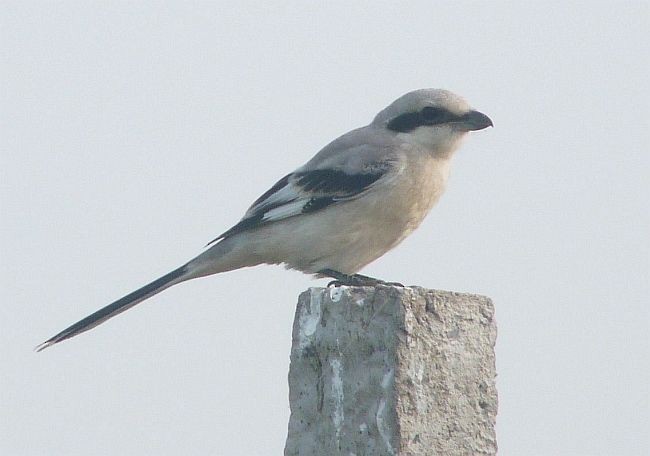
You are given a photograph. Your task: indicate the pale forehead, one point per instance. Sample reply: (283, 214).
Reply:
(418, 99)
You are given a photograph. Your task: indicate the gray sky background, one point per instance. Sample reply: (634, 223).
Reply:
(132, 134)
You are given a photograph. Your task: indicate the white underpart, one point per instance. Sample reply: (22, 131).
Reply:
(309, 319)
(337, 391)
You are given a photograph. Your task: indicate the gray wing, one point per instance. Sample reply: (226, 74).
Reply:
(317, 185)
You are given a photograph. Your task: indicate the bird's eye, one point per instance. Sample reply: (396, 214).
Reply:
(433, 115)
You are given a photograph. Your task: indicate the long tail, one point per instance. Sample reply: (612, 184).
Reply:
(119, 306)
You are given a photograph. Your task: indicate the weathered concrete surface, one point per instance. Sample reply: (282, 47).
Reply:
(392, 371)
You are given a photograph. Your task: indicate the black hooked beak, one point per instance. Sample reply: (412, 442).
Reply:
(475, 120)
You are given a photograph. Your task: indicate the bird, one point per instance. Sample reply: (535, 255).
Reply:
(355, 200)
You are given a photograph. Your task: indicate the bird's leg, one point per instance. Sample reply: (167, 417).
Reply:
(340, 278)
(374, 281)
(354, 280)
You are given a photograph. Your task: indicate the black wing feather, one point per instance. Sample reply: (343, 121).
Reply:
(333, 181)
(333, 185)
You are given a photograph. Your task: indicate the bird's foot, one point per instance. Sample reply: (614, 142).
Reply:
(355, 280)
(371, 281)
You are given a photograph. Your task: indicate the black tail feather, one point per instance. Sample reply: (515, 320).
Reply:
(115, 308)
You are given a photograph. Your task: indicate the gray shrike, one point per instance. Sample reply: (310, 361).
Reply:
(355, 200)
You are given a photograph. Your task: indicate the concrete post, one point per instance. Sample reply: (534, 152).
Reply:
(392, 371)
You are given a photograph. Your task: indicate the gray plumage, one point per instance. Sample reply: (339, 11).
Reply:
(357, 198)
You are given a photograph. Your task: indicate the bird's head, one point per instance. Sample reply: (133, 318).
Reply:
(433, 118)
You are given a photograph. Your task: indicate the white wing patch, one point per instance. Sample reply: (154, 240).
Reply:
(286, 194)
(286, 210)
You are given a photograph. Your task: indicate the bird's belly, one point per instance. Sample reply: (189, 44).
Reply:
(348, 236)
